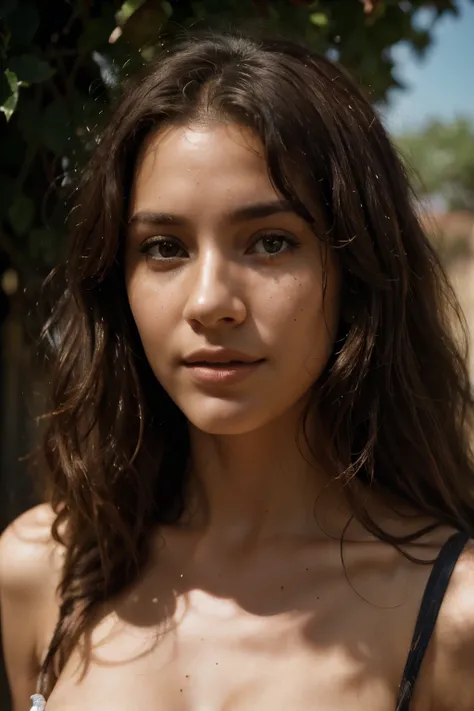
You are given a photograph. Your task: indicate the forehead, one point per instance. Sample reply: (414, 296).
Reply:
(189, 168)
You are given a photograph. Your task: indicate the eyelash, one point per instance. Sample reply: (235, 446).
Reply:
(146, 247)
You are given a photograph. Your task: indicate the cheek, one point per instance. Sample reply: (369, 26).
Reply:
(154, 316)
(297, 312)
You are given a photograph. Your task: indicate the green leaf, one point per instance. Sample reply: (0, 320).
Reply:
(421, 39)
(127, 10)
(6, 7)
(167, 8)
(143, 28)
(21, 214)
(55, 126)
(23, 24)
(30, 69)
(9, 104)
(320, 19)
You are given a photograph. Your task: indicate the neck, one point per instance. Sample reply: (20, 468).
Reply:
(264, 484)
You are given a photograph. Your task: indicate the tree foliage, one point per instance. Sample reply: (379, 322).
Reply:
(442, 156)
(62, 61)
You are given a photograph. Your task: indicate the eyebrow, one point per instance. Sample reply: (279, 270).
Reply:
(247, 212)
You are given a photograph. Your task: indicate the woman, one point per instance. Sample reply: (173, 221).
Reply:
(259, 440)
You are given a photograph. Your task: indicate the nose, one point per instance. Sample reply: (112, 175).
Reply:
(214, 297)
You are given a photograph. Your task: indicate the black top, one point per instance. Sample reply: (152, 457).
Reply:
(430, 606)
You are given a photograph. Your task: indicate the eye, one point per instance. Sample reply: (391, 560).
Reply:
(163, 248)
(273, 244)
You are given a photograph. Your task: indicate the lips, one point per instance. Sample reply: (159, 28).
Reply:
(221, 367)
(219, 358)
(221, 364)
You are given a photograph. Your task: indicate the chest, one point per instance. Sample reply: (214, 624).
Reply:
(202, 653)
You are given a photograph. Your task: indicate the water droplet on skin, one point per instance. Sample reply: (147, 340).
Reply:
(155, 600)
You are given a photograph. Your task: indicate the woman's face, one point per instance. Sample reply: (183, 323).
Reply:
(225, 281)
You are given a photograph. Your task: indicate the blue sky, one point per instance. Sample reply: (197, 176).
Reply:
(442, 83)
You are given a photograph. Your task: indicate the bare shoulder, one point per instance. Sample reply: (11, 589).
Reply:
(30, 570)
(452, 653)
(30, 560)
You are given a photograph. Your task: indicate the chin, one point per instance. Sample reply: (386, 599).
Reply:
(226, 418)
(221, 428)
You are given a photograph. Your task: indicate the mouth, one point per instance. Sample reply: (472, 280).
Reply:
(217, 373)
(222, 365)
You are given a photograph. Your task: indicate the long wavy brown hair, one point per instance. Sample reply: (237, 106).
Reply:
(395, 395)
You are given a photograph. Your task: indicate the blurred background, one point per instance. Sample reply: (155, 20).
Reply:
(62, 61)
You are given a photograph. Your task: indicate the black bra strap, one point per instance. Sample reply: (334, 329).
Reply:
(430, 606)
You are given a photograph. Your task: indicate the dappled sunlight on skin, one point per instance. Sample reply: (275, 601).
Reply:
(243, 623)
(281, 625)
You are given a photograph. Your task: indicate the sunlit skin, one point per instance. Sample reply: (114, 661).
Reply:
(247, 275)
(245, 603)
